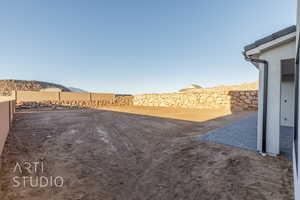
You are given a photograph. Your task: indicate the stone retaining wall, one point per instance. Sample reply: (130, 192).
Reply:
(239, 100)
(234, 100)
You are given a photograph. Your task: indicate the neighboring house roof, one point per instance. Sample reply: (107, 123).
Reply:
(271, 37)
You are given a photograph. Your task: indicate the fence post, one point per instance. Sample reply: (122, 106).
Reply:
(58, 96)
(16, 95)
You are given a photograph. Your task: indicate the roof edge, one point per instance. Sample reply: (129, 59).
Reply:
(274, 36)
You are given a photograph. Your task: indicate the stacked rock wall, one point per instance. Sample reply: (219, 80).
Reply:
(205, 99)
(212, 99)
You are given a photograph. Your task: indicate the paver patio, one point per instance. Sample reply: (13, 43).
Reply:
(243, 134)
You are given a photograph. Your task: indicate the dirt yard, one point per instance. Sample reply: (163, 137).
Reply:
(107, 155)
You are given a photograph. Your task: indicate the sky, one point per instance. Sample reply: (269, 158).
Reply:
(135, 46)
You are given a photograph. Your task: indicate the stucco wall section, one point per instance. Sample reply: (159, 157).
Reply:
(36, 96)
(100, 96)
(67, 96)
(6, 117)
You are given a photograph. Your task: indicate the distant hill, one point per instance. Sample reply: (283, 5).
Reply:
(244, 86)
(7, 86)
(74, 89)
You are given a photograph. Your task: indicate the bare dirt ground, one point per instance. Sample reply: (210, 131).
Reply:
(106, 155)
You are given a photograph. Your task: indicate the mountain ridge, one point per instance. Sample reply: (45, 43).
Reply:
(8, 85)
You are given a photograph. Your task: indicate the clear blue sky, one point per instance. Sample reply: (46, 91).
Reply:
(135, 46)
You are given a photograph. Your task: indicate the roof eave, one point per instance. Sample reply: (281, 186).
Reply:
(271, 44)
(271, 37)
